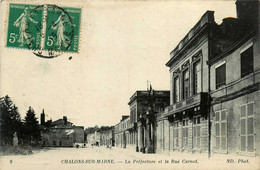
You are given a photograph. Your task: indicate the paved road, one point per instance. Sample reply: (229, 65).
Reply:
(115, 158)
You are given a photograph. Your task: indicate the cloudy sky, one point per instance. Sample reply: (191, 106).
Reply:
(122, 45)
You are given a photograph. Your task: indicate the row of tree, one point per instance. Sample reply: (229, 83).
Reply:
(27, 129)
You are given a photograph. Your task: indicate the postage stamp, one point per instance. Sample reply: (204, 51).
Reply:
(47, 29)
(62, 29)
(24, 26)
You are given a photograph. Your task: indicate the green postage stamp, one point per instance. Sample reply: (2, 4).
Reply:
(44, 28)
(24, 27)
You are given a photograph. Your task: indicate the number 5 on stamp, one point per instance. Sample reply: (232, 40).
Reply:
(62, 29)
(24, 26)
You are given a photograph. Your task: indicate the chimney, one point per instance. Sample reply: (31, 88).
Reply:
(42, 117)
(247, 10)
(65, 120)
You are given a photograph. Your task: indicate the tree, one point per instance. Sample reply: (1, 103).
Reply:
(10, 120)
(31, 127)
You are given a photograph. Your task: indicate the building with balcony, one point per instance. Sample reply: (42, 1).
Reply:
(183, 126)
(214, 81)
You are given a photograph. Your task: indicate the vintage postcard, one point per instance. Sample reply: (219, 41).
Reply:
(129, 84)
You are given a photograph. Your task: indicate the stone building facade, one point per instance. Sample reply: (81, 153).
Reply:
(150, 103)
(106, 136)
(60, 133)
(135, 131)
(122, 137)
(183, 126)
(214, 77)
(234, 84)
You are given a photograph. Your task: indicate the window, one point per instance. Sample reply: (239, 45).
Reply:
(176, 90)
(221, 130)
(220, 75)
(185, 135)
(247, 64)
(176, 134)
(196, 132)
(197, 77)
(247, 136)
(162, 135)
(185, 92)
(133, 115)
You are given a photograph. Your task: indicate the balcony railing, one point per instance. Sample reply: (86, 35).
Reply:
(199, 99)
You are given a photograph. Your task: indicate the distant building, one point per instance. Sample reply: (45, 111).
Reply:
(91, 136)
(120, 132)
(137, 131)
(60, 133)
(106, 136)
(149, 104)
(61, 122)
(103, 136)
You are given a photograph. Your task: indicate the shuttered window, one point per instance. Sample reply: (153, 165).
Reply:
(221, 130)
(220, 76)
(162, 135)
(196, 132)
(247, 125)
(185, 135)
(176, 134)
(247, 64)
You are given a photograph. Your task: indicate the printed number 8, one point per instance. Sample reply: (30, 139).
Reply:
(12, 38)
(50, 41)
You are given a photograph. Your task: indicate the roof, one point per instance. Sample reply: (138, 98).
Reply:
(142, 93)
(206, 19)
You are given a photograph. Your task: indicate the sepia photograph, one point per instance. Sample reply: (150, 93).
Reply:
(120, 84)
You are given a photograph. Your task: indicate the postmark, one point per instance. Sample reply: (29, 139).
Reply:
(47, 30)
(62, 29)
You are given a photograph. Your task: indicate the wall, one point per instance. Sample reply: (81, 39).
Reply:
(79, 134)
(57, 138)
(203, 46)
(237, 91)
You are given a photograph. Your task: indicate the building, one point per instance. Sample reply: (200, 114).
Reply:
(214, 95)
(183, 126)
(103, 136)
(122, 137)
(144, 105)
(106, 136)
(78, 134)
(234, 83)
(93, 138)
(90, 135)
(153, 102)
(60, 122)
(60, 133)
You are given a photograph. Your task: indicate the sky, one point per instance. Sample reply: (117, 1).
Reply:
(122, 45)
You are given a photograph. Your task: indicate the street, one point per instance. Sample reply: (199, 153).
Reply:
(115, 158)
